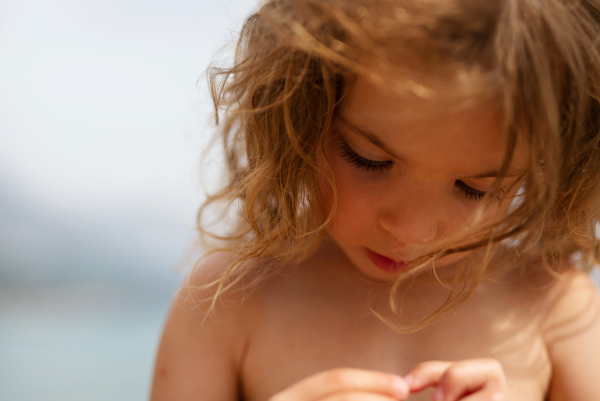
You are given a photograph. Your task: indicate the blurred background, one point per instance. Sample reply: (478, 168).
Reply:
(102, 124)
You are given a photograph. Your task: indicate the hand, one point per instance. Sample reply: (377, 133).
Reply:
(346, 385)
(469, 380)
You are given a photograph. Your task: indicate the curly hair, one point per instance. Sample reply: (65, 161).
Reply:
(295, 59)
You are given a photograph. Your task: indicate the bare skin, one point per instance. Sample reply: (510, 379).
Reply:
(313, 318)
(320, 321)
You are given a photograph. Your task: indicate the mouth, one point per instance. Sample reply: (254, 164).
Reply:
(384, 263)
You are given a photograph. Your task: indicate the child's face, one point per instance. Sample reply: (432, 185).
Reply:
(409, 174)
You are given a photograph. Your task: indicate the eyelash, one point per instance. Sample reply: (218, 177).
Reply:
(371, 165)
(469, 192)
(360, 162)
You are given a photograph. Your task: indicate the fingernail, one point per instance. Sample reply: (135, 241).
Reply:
(401, 389)
(409, 380)
(438, 395)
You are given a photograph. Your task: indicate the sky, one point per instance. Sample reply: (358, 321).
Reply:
(104, 113)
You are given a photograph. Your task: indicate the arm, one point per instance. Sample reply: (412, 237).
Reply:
(195, 361)
(572, 334)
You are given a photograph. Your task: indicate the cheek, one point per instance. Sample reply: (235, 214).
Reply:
(356, 200)
(478, 224)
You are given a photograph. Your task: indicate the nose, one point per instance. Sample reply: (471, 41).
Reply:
(411, 222)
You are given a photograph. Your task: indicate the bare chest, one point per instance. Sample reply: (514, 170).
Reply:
(302, 334)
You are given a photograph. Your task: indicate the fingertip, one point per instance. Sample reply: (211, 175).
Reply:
(410, 381)
(401, 388)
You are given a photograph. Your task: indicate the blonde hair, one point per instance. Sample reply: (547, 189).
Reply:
(294, 60)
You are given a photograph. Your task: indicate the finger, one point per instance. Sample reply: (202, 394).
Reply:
(336, 381)
(486, 396)
(463, 378)
(426, 374)
(358, 396)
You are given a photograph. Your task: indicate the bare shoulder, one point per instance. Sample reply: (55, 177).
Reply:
(562, 301)
(565, 310)
(570, 303)
(571, 330)
(199, 353)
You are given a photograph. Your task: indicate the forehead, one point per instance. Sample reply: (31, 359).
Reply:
(457, 135)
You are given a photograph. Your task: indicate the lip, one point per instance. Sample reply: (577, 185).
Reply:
(384, 263)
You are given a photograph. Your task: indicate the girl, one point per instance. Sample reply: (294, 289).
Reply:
(412, 199)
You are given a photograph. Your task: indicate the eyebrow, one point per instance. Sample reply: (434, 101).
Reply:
(375, 140)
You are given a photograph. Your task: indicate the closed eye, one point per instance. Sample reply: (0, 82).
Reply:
(361, 162)
(469, 192)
